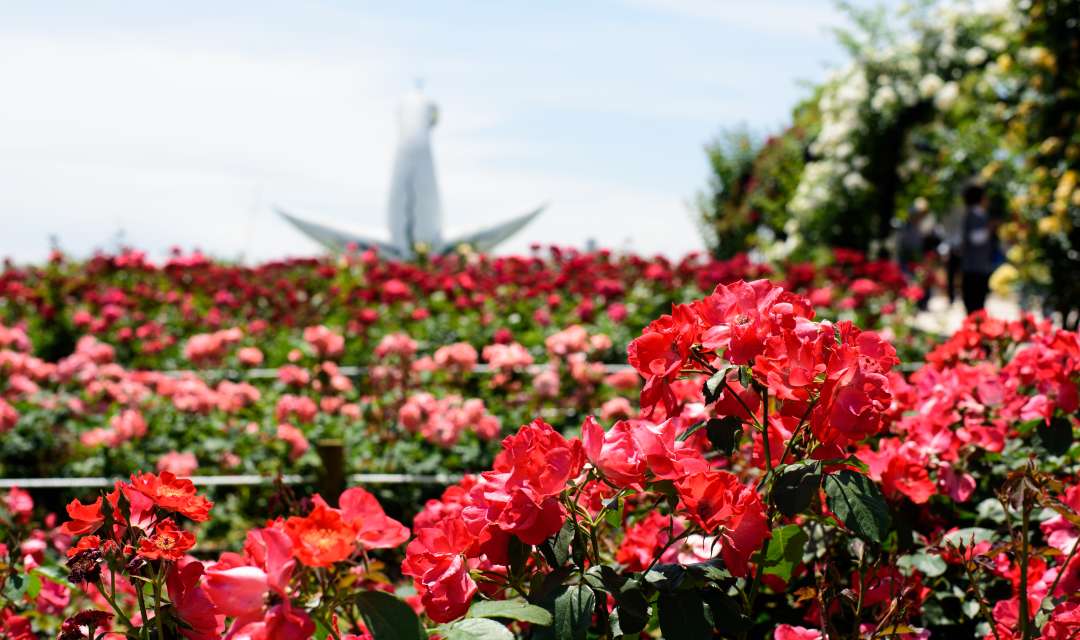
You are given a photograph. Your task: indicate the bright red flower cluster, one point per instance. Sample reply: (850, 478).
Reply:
(519, 497)
(253, 588)
(836, 374)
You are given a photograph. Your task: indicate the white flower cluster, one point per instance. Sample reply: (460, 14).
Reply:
(841, 104)
(872, 91)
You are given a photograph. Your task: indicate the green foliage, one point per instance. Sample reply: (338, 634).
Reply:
(751, 181)
(796, 486)
(389, 618)
(857, 502)
(682, 615)
(785, 551)
(512, 610)
(573, 612)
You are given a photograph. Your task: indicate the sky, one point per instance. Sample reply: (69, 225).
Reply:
(161, 124)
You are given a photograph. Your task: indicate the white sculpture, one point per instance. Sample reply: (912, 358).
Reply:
(414, 208)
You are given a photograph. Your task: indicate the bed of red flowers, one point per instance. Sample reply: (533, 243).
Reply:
(779, 477)
(118, 365)
(148, 311)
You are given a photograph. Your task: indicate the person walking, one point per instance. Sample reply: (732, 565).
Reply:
(977, 248)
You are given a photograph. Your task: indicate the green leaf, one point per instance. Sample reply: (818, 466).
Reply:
(929, 564)
(556, 549)
(614, 514)
(694, 428)
(33, 586)
(682, 615)
(56, 574)
(475, 629)
(858, 503)
(967, 536)
(1057, 436)
(725, 613)
(712, 571)
(794, 489)
(15, 587)
(513, 610)
(519, 554)
(573, 612)
(666, 577)
(387, 617)
(991, 509)
(632, 608)
(579, 549)
(724, 433)
(715, 385)
(785, 550)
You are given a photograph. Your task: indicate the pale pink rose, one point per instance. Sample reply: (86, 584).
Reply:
(250, 356)
(600, 342)
(616, 409)
(298, 444)
(178, 464)
(293, 375)
(96, 437)
(325, 342)
(399, 344)
(546, 383)
(128, 425)
(8, 416)
(460, 356)
(624, 380)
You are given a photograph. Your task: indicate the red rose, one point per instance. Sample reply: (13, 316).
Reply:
(85, 518)
(538, 459)
(717, 502)
(173, 494)
(168, 542)
(322, 537)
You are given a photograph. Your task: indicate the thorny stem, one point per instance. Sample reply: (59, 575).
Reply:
(862, 584)
(765, 431)
(157, 601)
(770, 507)
(142, 603)
(1025, 616)
(749, 413)
(985, 610)
(109, 597)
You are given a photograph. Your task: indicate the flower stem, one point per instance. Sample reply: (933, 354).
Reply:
(1025, 616)
(765, 431)
(158, 578)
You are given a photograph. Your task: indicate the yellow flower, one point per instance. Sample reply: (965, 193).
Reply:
(1003, 279)
(1046, 59)
(1050, 146)
(1065, 186)
(1050, 225)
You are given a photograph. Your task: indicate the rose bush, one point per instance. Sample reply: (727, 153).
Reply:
(782, 478)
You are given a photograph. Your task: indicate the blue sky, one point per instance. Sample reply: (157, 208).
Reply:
(182, 123)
